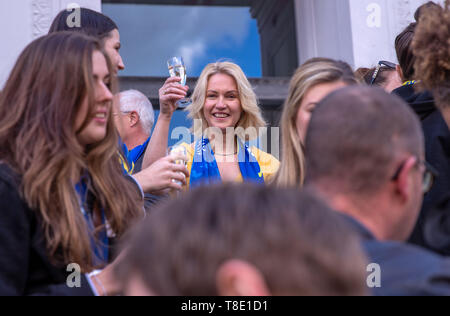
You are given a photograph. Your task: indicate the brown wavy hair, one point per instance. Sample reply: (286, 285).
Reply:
(38, 108)
(432, 49)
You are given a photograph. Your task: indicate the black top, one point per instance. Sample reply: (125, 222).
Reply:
(437, 153)
(406, 270)
(25, 268)
(421, 102)
(437, 227)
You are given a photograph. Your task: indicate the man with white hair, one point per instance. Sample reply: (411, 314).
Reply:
(134, 118)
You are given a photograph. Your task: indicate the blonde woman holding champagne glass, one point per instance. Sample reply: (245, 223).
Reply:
(224, 108)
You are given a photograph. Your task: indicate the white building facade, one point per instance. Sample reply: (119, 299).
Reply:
(22, 21)
(360, 32)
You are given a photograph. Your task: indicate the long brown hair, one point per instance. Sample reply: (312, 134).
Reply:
(38, 108)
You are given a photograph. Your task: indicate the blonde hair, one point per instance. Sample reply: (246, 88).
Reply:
(251, 113)
(313, 72)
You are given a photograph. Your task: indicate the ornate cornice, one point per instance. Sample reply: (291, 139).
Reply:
(42, 11)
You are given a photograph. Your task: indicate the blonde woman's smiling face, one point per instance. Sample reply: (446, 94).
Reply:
(222, 107)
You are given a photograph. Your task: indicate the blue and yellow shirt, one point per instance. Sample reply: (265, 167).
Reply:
(269, 164)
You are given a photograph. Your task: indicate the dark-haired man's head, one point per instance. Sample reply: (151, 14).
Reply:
(364, 152)
(94, 24)
(244, 240)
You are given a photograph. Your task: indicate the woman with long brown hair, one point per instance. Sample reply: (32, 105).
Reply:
(162, 174)
(62, 193)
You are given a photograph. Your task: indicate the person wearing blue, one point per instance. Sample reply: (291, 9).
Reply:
(365, 152)
(226, 118)
(63, 196)
(134, 118)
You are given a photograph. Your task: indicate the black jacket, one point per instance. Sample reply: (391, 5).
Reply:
(437, 227)
(406, 270)
(437, 153)
(421, 102)
(25, 268)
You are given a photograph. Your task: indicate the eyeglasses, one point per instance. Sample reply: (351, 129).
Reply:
(382, 63)
(428, 177)
(121, 112)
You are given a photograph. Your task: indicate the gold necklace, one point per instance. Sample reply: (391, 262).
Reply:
(225, 155)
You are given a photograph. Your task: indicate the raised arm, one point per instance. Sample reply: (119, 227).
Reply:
(169, 94)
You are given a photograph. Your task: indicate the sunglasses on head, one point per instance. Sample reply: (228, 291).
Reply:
(382, 63)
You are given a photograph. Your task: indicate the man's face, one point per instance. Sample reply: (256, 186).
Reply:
(120, 119)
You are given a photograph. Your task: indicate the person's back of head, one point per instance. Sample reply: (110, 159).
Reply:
(403, 45)
(92, 23)
(404, 52)
(432, 49)
(237, 240)
(356, 140)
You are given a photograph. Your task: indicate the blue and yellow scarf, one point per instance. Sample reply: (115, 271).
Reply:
(205, 170)
(99, 245)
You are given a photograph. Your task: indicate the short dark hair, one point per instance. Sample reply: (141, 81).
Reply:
(404, 51)
(93, 23)
(299, 245)
(403, 44)
(355, 137)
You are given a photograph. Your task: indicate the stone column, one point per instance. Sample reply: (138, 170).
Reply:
(25, 20)
(361, 32)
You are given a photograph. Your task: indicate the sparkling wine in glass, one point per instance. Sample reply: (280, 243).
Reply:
(177, 68)
(177, 151)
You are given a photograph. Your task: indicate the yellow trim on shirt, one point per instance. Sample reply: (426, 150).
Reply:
(269, 164)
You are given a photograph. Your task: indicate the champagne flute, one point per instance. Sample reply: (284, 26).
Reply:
(177, 68)
(177, 151)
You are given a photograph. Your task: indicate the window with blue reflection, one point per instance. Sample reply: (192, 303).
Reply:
(151, 34)
(179, 119)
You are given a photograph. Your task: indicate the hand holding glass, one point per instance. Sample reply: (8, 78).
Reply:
(177, 68)
(176, 151)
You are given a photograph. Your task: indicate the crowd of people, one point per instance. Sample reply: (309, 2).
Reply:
(363, 179)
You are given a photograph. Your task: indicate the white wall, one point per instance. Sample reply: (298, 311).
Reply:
(323, 29)
(21, 21)
(376, 24)
(361, 32)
